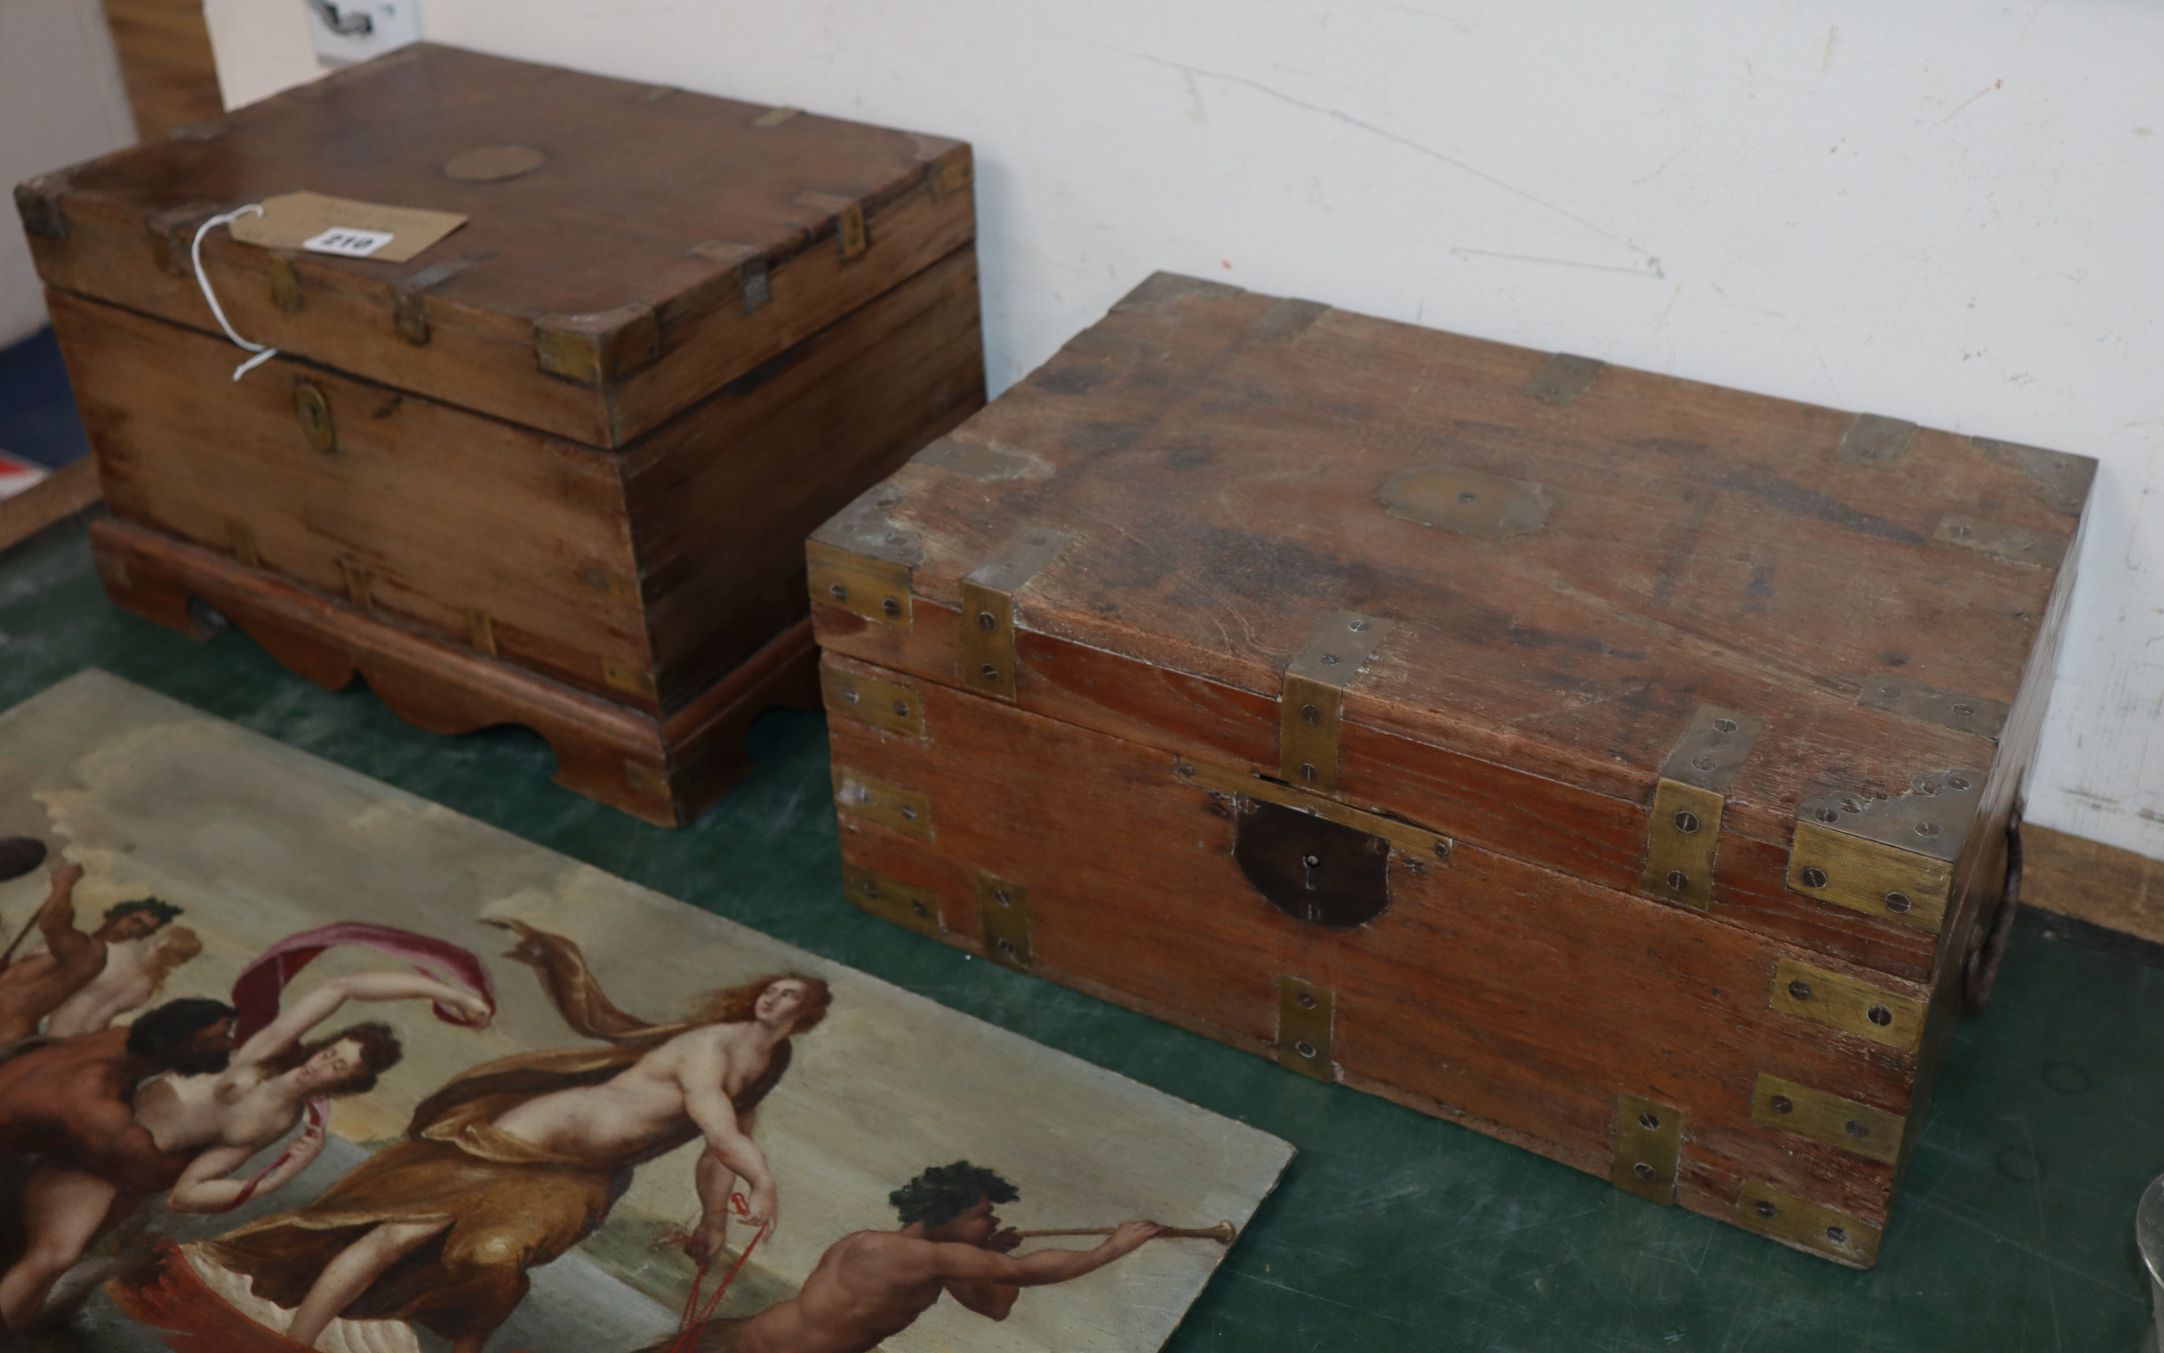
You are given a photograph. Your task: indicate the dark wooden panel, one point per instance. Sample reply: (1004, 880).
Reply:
(166, 62)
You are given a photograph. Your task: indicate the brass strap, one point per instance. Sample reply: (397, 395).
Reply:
(1004, 905)
(1684, 833)
(1306, 1024)
(1311, 702)
(862, 563)
(890, 806)
(987, 655)
(1563, 378)
(1828, 1118)
(1806, 1225)
(882, 704)
(898, 903)
(1648, 1148)
(1848, 1004)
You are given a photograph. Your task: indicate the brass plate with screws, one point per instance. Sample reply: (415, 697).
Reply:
(875, 588)
(1888, 858)
(1563, 378)
(987, 651)
(1467, 502)
(2042, 549)
(1648, 1148)
(1874, 441)
(1684, 833)
(1306, 1019)
(1311, 703)
(1822, 1230)
(880, 703)
(1824, 1117)
(285, 284)
(911, 908)
(1005, 906)
(891, 806)
(1948, 709)
(1841, 1002)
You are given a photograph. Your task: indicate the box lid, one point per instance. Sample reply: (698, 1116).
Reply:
(1771, 662)
(629, 249)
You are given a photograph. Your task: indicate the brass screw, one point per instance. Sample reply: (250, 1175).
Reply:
(901, 708)
(1927, 829)
(1678, 880)
(1879, 1015)
(839, 592)
(1800, 989)
(1837, 1235)
(1310, 714)
(987, 622)
(1763, 1208)
(1643, 1171)
(1649, 1120)
(1686, 821)
(1855, 1129)
(1307, 770)
(1780, 1104)
(1304, 1001)
(989, 672)
(891, 606)
(1006, 946)
(1305, 1049)
(919, 908)
(1814, 877)
(1898, 902)
(1725, 725)
(850, 695)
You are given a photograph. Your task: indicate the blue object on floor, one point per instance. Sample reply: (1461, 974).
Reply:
(37, 407)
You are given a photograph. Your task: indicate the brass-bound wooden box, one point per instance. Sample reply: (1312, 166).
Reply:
(1619, 766)
(556, 469)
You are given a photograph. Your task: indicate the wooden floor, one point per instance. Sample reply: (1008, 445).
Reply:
(2089, 881)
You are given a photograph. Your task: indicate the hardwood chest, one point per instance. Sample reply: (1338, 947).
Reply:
(556, 469)
(1619, 766)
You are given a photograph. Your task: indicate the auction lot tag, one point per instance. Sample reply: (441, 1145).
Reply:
(344, 227)
(348, 241)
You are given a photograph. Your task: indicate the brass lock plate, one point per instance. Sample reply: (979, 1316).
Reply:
(1315, 870)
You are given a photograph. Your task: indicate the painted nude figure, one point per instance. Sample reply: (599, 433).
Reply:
(135, 972)
(514, 1162)
(34, 985)
(873, 1285)
(209, 1125)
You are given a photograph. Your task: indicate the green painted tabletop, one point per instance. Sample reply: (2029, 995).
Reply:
(1392, 1231)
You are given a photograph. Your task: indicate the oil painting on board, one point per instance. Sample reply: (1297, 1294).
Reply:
(290, 1059)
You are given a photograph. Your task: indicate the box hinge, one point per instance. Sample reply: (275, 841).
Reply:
(1684, 832)
(1947, 709)
(1005, 907)
(951, 172)
(1841, 1002)
(1563, 378)
(879, 703)
(1648, 1148)
(2060, 479)
(1874, 441)
(862, 564)
(285, 283)
(911, 908)
(848, 213)
(1306, 1021)
(1810, 1226)
(409, 301)
(1888, 858)
(891, 806)
(1311, 701)
(988, 656)
(1827, 1118)
(749, 265)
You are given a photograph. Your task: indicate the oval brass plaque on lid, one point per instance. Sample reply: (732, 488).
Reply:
(493, 164)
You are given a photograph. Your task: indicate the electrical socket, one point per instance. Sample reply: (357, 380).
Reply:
(386, 24)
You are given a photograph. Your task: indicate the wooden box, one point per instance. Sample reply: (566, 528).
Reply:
(1619, 766)
(556, 469)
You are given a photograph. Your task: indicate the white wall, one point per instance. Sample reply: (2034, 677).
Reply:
(61, 102)
(1946, 210)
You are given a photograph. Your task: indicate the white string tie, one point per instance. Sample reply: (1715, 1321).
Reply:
(263, 353)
